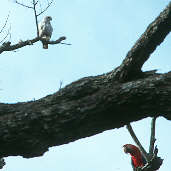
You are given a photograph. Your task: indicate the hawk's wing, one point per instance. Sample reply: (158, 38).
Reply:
(45, 30)
(41, 27)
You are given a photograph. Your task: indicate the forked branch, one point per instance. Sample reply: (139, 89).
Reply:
(153, 162)
(134, 137)
(45, 9)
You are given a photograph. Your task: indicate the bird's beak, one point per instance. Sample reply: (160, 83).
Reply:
(125, 149)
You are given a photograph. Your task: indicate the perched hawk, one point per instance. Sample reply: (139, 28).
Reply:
(45, 30)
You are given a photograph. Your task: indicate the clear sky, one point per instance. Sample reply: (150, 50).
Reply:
(101, 33)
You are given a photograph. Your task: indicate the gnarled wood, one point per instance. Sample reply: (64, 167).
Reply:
(84, 108)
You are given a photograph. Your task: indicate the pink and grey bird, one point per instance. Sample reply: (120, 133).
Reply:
(45, 30)
(137, 159)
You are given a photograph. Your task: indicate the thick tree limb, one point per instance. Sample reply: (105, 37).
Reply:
(84, 108)
(146, 44)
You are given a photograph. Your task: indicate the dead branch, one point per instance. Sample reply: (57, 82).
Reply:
(60, 84)
(23, 5)
(35, 15)
(8, 33)
(57, 41)
(134, 137)
(42, 11)
(8, 47)
(154, 163)
(4, 24)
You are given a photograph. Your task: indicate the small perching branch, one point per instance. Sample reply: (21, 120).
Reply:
(134, 137)
(152, 138)
(8, 47)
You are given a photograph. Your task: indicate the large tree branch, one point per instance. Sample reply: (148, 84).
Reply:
(84, 108)
(146, 44)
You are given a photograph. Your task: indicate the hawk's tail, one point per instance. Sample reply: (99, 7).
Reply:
(45, 46)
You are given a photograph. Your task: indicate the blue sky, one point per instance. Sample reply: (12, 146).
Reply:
(101, 33)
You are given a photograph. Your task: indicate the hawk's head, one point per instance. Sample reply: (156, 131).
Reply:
(47, 18)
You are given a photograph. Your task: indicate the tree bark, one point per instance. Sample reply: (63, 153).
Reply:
(91, 105)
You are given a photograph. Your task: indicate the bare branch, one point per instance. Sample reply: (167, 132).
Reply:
(35, 15)
(66, 43)
(8, 47)
(23, 5)
(154, 163)
(134, 137)
(36, 2)
(40, 6)
(152, 138)
(4, 24)
(49, 4)
(8, 33)
(57, 41)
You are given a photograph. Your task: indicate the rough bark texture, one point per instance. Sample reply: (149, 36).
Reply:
(145, 45)
(91, 105)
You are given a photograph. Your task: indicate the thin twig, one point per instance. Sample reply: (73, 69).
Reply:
(60, 84)
(40, 6)
(66, 43)
(35, 15)
(8, 33)
(129, 127)
(152, 138)
(49, 4)
(4, 24)
(36, 2)
(23, 5)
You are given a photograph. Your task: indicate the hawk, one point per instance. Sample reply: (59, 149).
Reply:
(45, 30)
